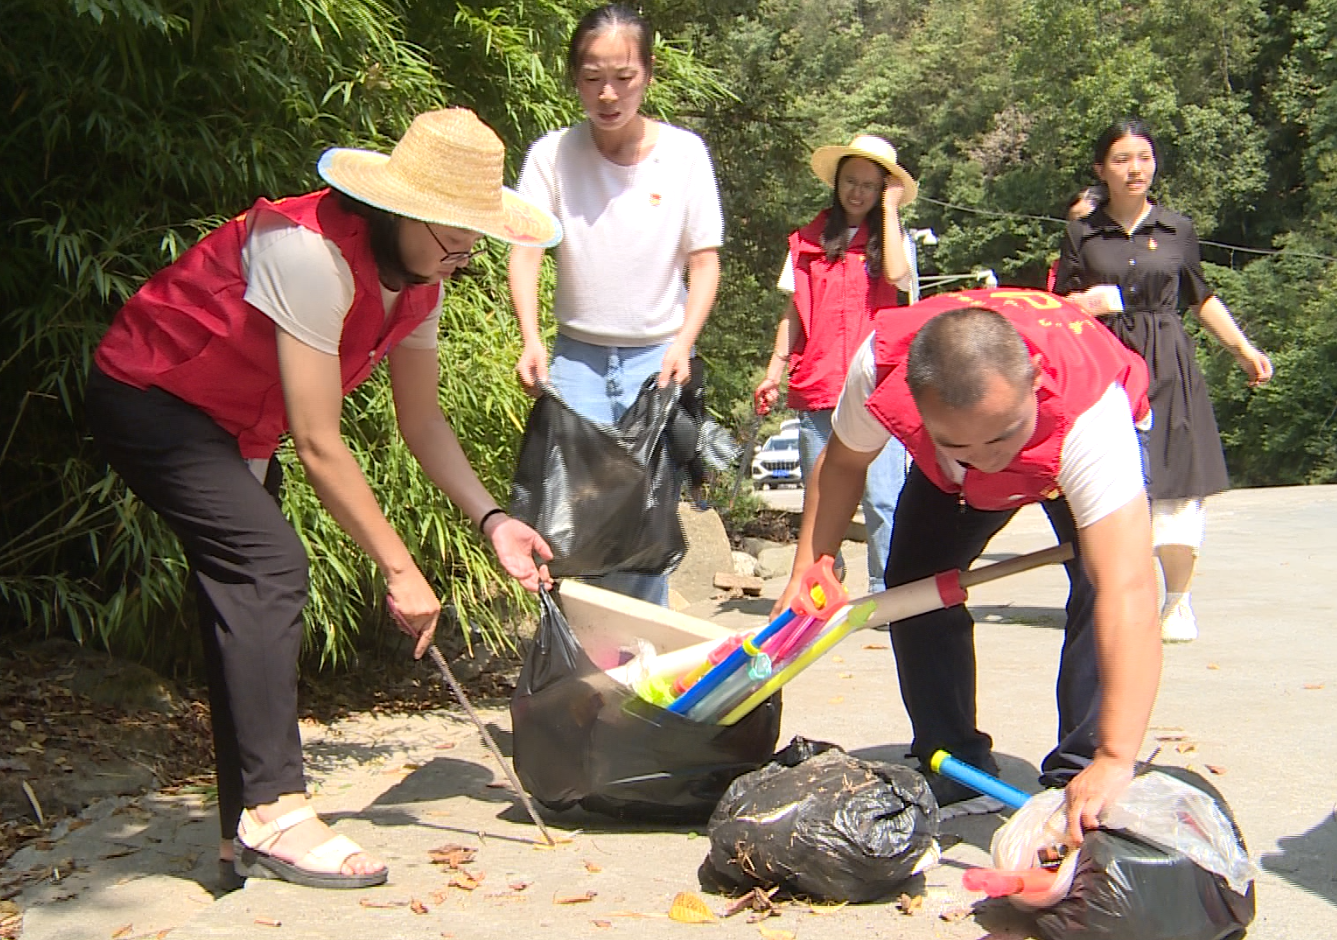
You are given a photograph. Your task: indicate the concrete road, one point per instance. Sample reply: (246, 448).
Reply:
(1250, 704)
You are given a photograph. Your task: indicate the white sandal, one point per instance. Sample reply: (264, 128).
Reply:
(322, 867)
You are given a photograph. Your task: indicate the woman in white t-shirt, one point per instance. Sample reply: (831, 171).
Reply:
(638, 265)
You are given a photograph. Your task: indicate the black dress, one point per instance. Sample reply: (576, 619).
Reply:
(1158, 270)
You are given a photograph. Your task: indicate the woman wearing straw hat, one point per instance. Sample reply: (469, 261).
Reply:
(260, 329)
(640, 208)
(843, 267)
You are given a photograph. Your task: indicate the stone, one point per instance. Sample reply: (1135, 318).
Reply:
(776, 562)
(744, 564)
(755, 546)
(708, 551)
(749, 585)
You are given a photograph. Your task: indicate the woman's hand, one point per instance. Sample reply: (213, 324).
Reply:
(677, 365)
(415, 607)
(893, 192)
(1095, 301)
(1255, 364)
(516, 544)
(766, 395)
(532, 368)
(1092, 790)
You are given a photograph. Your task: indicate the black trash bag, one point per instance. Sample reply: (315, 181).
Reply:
(1126, 888)
(605, 499)
(583, 738)
(820, 824)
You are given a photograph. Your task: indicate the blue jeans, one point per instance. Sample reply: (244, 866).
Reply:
(886, 476)
(601, 383)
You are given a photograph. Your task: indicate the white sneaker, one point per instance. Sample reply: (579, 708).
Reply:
(1178, 625)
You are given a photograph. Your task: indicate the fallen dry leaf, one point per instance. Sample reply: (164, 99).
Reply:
(1313, 685)
(1186, 748)
(1215, 768)
(1171, 737)
(756, 900)
(603, 923)
(847, 675)
(576, 898)
(687, 908)
(121, 931)
(463, 880)
(1213, 666)
(826, 908)
(771, 934)
(417, 906)
(452, 856)
(11, 920)
(369, 902)
(835, 700)
(518, 885)
(954, 914)
(875, 646)
(592, 868)
(910, 905)
(268, 922)
(445, 747)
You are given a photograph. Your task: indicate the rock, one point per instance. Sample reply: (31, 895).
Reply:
(755, 546)
(125, 685)
(776, 562)
(744, 564)
(749, 585)
(707, 552)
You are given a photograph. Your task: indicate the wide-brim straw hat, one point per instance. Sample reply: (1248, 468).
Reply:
(447, 170)
(826, 159)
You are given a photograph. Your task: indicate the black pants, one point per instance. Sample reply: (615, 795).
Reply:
(249, 571)
(935, 652)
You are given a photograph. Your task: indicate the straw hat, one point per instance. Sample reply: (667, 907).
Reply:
(826, 159)
(446, 170)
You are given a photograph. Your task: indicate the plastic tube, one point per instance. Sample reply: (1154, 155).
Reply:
(976, 779)
(1002, 884)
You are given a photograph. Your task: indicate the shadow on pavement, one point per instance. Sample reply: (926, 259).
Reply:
(1052, 618)
(1306, 860)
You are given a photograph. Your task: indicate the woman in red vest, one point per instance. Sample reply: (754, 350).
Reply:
(842, 269)
(259, 330)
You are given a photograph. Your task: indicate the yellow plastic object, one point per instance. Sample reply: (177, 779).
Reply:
(844, 622)
(657, 690)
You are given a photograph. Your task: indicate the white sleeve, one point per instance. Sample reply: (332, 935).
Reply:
(907, 282)
(537, 182)
(299, 279)
(1100, 466)
(786, 281)
(705, 218)
(852, 422)
(424, 335)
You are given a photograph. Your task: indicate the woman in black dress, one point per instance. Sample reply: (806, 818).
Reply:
(1134, 264)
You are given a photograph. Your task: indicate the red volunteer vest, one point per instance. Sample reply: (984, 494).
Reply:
(1080, 359)
(188, 330)
(837, 304)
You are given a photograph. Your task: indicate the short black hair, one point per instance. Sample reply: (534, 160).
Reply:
(954, 354)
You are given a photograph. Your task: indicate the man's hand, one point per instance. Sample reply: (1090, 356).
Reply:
(1092, 790)
(516, 544)
(677, 365)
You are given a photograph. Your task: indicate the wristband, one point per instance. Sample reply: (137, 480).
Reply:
(488, 515)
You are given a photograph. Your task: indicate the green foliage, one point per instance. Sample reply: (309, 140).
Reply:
(136, 126)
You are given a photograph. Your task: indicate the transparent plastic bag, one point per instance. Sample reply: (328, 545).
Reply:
(1168, 862)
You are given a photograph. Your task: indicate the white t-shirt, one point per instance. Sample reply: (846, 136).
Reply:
(300, 280)
(906, 283)
(1100, 464)
(627, 231)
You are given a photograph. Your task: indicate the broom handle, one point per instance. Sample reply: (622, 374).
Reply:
(1003, 569)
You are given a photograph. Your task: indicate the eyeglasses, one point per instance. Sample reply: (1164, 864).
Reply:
(868, 189)
(458, 257)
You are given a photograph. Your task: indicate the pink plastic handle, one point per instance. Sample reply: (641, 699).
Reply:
(1001, 884)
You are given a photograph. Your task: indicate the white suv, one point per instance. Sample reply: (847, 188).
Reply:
(776, 463)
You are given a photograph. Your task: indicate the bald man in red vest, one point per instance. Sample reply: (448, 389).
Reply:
(1007, 397)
